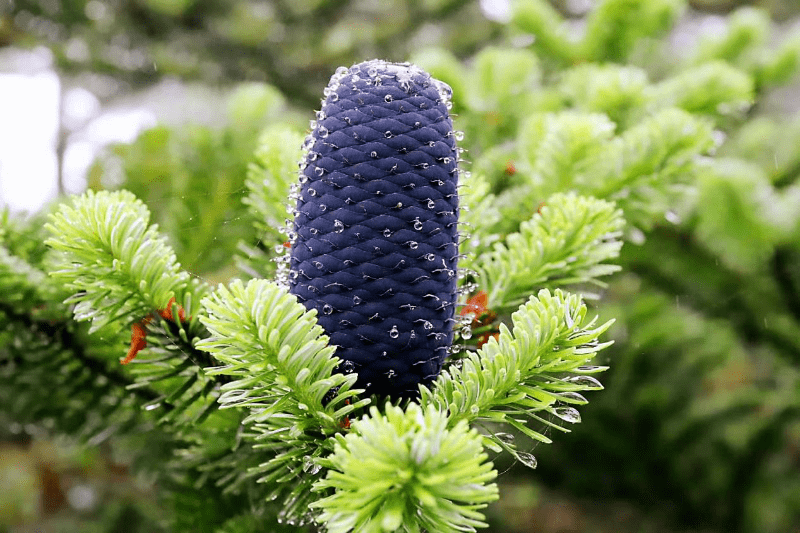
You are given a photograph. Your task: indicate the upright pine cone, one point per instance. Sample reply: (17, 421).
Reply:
(376, 241)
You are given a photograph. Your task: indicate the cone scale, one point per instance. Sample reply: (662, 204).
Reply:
(375, 244)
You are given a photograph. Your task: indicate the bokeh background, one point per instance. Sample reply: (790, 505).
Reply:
(698, 429)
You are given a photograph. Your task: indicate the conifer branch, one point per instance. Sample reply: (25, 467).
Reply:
(568, 242)
(269, 180)
(283, 372)
(714, 88)
(118, 269)
(535, 368)
(411, 471)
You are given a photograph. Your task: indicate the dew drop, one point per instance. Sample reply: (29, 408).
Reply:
(459, 136)
(445, 91)
(313, 124)
(319, 171)
(323, 207)
(327, 309)
(323, 131)
(427, 325)
(573, 397)
(413, 245)
(388, 98)
(321, 115)
(348, 366)
(417, 224)
(312, 192)
(527, 459)
(394, 333)
(356, 300)
(506, 438)
(567, 414)
(373, 154)
(387, 232)
(466, 333)
(334, 97)
(388, 134)
(430, 257)
(586, 382)
(390, 374)
(309, 466)
(431, 203)
(372, 72)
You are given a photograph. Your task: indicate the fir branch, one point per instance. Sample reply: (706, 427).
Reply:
(539, 18)
(617, 91)
(537, 367)
(714, 88)
(283, 371)
(118, 269)
(778, 67)
(20, 282)
(479, 215)
(63, 339)
(409, 471)
(560, 147)
(748, 28)
(614, 27)
(269, 179)
(661, 148)
(568, 242)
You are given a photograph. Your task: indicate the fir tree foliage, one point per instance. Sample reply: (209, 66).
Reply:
(568, 242)
(713, 289)
(534, 371)
(277, 365)
(283, 370)
(118, 268)
(269, 179)
(412, 471)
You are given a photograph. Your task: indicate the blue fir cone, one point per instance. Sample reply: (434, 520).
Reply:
(375, 242)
